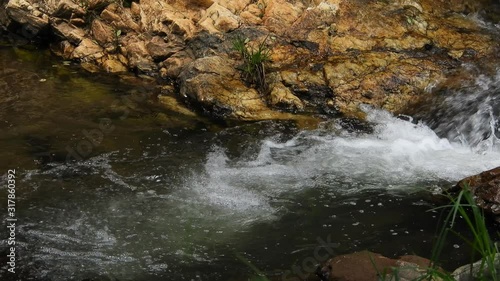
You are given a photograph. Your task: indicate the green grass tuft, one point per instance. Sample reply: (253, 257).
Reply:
(254, 61)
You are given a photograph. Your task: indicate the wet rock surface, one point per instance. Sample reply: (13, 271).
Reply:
(327, 56)
(485, 188)
(369, 266)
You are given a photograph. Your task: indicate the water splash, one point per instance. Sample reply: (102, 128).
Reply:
(470, 115)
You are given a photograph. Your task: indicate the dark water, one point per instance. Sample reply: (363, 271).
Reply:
(112, 186)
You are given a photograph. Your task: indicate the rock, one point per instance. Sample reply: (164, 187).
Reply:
(134, 49)
(120, 18)
(69, 32)
(213, 84)
(103, 33)
(166, 18)
(219, 19)
(28, 15)
(280, 15)
(235, 6)
(283, 97)
(67, 9)
(172, 104)
(391, 81)
(485, 188)
(368, 266)
(175, 64)
(113, 65)
(330, 55)
(471, 272)
(87, 50)
(160, 50)
(63, 49)
(320, 16)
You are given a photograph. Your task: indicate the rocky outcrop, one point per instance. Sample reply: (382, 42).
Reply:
(212, 84)
(327, 56)
(485, 188)
(368, 266)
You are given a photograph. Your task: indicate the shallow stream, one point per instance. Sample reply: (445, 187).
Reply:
(110, 186)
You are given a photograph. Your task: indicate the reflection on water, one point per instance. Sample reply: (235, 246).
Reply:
(171, 198)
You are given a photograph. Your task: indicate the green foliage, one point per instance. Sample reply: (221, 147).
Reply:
(254, 61)
(481, 243)
(464, 207)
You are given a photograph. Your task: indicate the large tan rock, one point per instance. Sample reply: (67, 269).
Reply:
(386, 80)
(160, 50)
(213, 83)
(69, 32)
(168, 17)
(87, 50)
(282, 96)
(113, 64)
(218, 18)
(66, 9)
(103, 33)
(119, 18)
(280, 15)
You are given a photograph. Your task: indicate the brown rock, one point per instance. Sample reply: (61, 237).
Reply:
(282, 96)
(280, 15)
(113, 65)
(63, 49)
(28, 15)
(368, 266)
(161, 50)
(219, 19)
(103, 33)
(486, 189)
(391, 81)
(68, 32)
(321, 16)
(214, 84)
(175, 64)
(87, 51)
(67, 9)
(235, 6)
(120, 18)
(166, 18)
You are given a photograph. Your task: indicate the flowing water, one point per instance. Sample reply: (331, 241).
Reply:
(110, 186)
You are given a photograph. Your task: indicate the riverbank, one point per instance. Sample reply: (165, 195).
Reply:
(324, 58)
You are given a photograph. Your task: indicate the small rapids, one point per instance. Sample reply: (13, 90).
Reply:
(470, 116)
(121, 226)
(181, 206)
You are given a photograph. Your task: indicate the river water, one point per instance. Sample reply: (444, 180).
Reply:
(111, 186)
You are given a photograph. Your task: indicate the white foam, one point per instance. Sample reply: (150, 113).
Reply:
(397, 155)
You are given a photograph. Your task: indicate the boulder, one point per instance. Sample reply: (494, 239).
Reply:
(368, 266)
(119, 18)
(391, 81)
(103, 33)
(472, 272)
(69, 32)
(218, 18)
(113, 65)
(87, 51)
(160, 50)
(213, 85)
(67, 9)
(485, 188)
(282, 97)
(28, 15)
